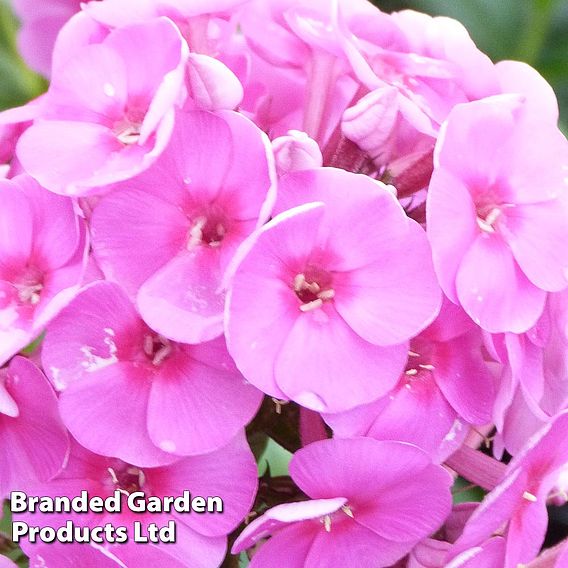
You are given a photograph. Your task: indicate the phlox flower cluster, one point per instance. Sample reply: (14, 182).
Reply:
(230, 221)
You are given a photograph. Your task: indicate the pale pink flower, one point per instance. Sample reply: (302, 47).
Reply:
(496, 211)
(99, 349)
(109, 111)
(371, 503)
(42, 260)
(34, 441)
(348, 269)
(169, 234)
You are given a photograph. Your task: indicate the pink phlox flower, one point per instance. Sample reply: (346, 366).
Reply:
(109, 111)
(229, 474)
(42, 260)
(100, 350)
(323, 274)
(185, 218)
(496, 211)
(207, 28)
(432, 62)
(374, 503)
(446, 383)
(536, 477)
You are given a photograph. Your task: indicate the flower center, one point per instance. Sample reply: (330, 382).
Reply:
(30, 286)
(208, 231)
(313, 288)
(127, 130)
(416, 364)
(157, 348)
(326, 520)
(126, 478)
(487, 217)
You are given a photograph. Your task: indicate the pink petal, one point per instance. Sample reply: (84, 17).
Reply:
(526, 533)
(250, 196)
(385, 302)
(280, 516)
(183, 301)
(62, 155)
(464, 377)
(350, 224)
(519, 77)
(230, 473)
(493, 290)
(99, 328)
(15, 237)
(451, 226)
(118, 429)
(485, 129)
(349, 542)
(408, 512)
(289, 547)
(533, 232)
(358, 468)
(35, 444)
(206, 157)
(195, 408)
(261, 307)
(57, 230)
(130, 220)
(97, 93)
(311, 370)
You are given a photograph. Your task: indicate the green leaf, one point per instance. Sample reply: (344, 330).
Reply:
(18, 83)
(464, 492)
(276, 458)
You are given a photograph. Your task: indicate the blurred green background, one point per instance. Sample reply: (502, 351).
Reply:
(535, 31)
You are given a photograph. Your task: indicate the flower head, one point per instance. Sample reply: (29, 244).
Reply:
(347, 269)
